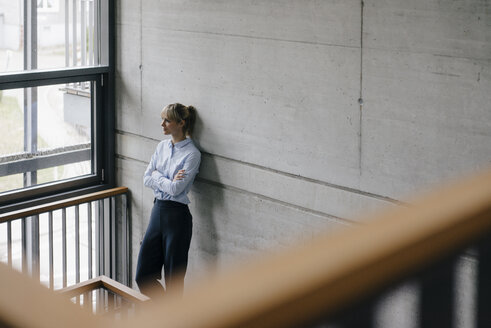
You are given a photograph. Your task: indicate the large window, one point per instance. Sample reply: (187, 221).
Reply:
(55, 96)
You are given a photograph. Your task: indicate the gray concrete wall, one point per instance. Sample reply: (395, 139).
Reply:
(288, 150)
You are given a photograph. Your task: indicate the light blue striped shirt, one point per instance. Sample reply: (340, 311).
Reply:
(165, 162)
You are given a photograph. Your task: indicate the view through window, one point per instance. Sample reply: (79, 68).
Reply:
(54, 59)
(49, 127)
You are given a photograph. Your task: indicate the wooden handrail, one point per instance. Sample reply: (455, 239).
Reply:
(296, 285)
(26, 303)
(35, 210)
(289, 288)
(107, 283)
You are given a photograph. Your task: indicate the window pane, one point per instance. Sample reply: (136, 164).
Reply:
(64, 172)
(49, 134)
(64, 115)
(11, 38)
(11, 121)
(65, 34)
(11, 182)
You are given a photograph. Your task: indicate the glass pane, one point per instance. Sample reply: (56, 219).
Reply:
(64, 115)
(49, 133)
(11, 121)
(11, 182)
(11, 36)
(64, 172)
(64, 32)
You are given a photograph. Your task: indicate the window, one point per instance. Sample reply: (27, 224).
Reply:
(55, 97)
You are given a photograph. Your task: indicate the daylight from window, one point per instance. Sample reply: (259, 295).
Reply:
(53, 120)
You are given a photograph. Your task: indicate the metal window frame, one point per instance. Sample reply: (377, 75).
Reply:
(103, 77)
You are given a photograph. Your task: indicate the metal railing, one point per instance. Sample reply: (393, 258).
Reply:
(88, 233)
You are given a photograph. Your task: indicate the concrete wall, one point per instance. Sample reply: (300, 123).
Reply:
(311, 112)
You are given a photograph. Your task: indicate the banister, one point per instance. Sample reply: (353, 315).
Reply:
(26, 303)
(61, 204)
(107, 283)
(316, 279)
(333, 271)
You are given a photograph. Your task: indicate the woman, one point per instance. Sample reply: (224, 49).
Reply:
(169, 174)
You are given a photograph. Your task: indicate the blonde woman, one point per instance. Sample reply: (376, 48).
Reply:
(169, 174)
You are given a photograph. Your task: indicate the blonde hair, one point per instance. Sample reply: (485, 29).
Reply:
(178, 112)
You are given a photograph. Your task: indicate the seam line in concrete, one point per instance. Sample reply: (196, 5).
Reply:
(290, 175)
(360, 100)
(408, 51)
(258, 38)
(135, 135)
(250, 193)
(319, 182)
(119, 156)
(296, 207)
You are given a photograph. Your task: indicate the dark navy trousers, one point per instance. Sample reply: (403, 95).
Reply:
(166, 243)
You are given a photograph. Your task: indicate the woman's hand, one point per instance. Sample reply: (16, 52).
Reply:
(179, 175)
(156, 174)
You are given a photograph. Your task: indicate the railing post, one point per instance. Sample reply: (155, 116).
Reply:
(103, 237)
(107, 236)
(98, 238)
(64, 252)
(483, 307)
(32, 246)
(77, 244)
(51, 259)
(437, 295)
(124, 241)
(9, 242)
(89, 237)
(113, 243)
(358, 315)
(24, 245)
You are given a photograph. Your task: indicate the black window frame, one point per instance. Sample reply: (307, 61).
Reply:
(103, 135)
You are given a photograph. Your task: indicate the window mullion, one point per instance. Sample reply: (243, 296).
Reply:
(31, 225)
(30, 94)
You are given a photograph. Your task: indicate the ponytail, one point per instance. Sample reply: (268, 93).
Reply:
(190, 121)
(178, 112)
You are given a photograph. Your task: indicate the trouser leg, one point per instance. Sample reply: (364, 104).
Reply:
(151, 257)
(177, 239)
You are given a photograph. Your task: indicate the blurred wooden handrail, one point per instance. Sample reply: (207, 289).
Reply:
(62, 204)
(26, 303)
(295, 286)
(107, 283)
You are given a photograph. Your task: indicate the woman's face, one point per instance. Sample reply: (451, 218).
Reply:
(171, 127)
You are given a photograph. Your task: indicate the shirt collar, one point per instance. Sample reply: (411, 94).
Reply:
(180, 144)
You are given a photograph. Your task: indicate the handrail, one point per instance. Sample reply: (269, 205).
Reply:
(332, 272)
(26, 303)
(61, 204)
(107, 283)
(296, 285)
